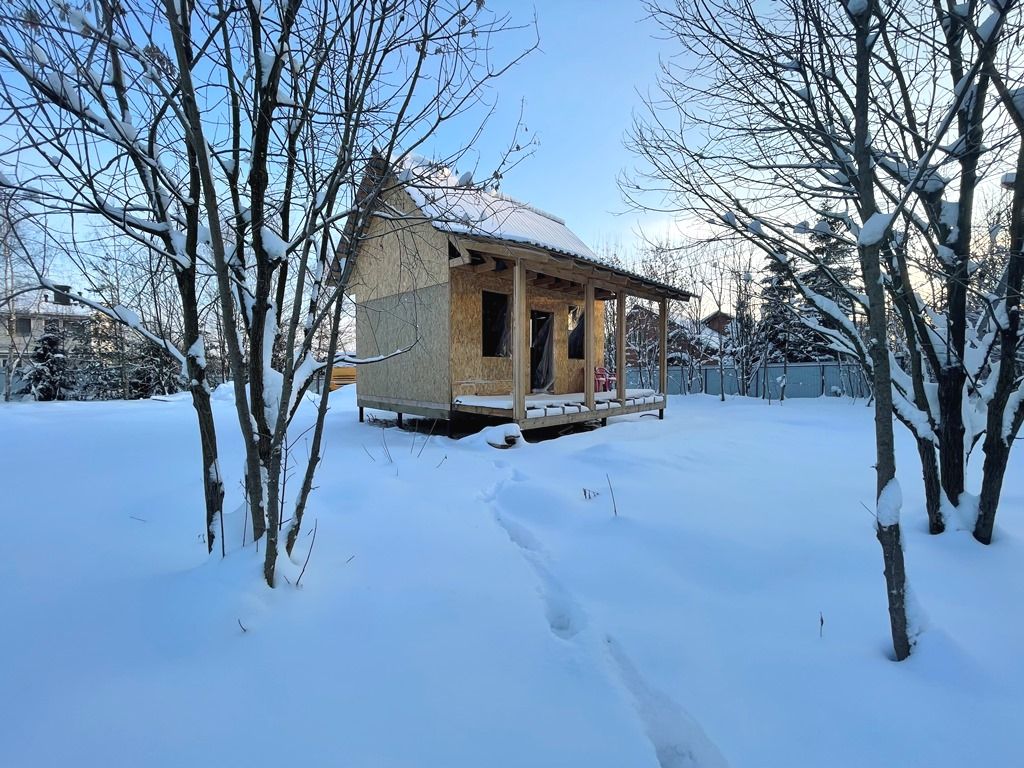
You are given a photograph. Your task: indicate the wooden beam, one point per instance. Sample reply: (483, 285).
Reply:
(546, 281)
(570, 267)
(555, 270)
(663, 346)
(489, 265)
(557, 285)
(457, 256)
(590, 331)
(520, 340)
(620, 346)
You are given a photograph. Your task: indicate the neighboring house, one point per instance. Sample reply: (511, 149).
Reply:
(498, 304)
(709, 340)
(718, 321)
(26, 317)
(698, 344)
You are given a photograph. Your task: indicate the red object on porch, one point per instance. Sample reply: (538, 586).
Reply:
(603, 381)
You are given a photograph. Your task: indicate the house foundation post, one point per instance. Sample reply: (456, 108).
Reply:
(620, 347)
(589, 351)
(663, 355)
(520, 341)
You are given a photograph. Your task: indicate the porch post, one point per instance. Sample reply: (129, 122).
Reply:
(590, 329)
(620, 346)
(663, 346)
(520, 324)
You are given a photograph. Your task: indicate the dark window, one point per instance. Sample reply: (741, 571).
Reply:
(497, 325)
(24, 326)
(577, 333)
(60, 295)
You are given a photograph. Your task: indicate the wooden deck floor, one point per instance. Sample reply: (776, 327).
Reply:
(549, 410)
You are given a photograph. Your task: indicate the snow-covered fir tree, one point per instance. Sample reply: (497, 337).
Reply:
(123, 366)
(835, 266)
(783, 333)
(49, 375)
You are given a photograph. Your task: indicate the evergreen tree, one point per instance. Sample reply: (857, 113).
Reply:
(49, 375)
(835, 267)
(152, 372)
(104, 375)
(123, 366)
(783, 334)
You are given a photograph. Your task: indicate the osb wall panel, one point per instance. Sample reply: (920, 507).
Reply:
(384, 325)
(474, 374)
(399, 255)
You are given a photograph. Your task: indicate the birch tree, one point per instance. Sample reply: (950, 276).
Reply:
(248, 144)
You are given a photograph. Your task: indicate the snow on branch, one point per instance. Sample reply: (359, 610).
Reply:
(124, 316)
(347, 359)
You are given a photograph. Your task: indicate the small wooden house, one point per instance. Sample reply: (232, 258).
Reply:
(498, 304)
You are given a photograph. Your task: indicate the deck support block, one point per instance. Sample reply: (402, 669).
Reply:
(399, 421)
(360, 414)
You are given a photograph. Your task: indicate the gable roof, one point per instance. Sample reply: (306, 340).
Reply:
(717, 314)
(464, 210)
(455, 205)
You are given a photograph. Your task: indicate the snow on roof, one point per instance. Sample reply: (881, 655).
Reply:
(39, 303)
(455, 205)
(698, 333)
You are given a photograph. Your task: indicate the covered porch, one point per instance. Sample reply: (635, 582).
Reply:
(536, 283)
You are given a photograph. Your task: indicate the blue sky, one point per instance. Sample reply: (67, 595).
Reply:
(580, 89)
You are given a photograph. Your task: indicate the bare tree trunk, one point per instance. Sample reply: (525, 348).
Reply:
(895, 583)
(198, 146)
(1002, 426)
(951, 431)
(785, 368)
(905, 304)
(721, 376)
(213, 486)
(932, 484)
(997, 454)
(12, 321)
(9, 367)
(318, 430)
(887, 520)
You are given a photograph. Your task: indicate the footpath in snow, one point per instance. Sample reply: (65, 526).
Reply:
(465, 606)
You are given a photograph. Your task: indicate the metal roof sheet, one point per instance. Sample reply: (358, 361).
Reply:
(454, 205)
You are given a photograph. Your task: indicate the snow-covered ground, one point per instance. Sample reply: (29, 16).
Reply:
(465, 606)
